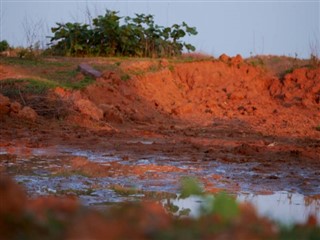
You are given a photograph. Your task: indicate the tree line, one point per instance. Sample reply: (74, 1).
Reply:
(135, 37)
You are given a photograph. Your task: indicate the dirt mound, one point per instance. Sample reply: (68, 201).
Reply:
(197, 91)
(301, 87)
(164, 92)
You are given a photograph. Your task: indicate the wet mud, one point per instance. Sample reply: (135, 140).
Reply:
(148, 165)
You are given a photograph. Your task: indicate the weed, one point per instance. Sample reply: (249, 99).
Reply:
(78, 85)
(125, 77)
(314, 61)
(318, 128)
(171, 68)
(257, 62)
(283, 74)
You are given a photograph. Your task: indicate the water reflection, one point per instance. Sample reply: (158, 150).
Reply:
(284, 207)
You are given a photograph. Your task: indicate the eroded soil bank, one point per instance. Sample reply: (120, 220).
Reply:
(145, 124)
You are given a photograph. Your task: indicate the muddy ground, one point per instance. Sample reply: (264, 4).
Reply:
(136, 131)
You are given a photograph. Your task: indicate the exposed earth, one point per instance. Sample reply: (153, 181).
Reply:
(134, 132)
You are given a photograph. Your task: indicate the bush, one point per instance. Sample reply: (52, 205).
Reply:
(4, 46)
(137, 37)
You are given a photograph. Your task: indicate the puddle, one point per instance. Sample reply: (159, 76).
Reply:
(35, 169)
(286, 208)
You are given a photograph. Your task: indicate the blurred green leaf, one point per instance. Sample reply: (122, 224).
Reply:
(190, 186)
(224, 206)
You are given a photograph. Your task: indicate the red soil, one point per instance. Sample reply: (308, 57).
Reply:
(213, 110)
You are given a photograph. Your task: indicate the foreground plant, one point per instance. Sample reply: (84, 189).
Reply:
(64, 218)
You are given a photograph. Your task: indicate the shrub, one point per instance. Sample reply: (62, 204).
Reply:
(4, 46)
(138, 36)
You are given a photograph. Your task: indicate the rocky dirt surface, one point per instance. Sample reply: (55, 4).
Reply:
(145, 124)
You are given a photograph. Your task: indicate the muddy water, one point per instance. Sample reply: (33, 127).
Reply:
(51, 171)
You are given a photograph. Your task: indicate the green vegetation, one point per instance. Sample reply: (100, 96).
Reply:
(125, 77)
(40, 63)
(222, 205)
(4, 46)
(257, 62)
(299, 232)
(190, 186)
(137, 37)
(46, 74)
(318, 127)
(16, 87)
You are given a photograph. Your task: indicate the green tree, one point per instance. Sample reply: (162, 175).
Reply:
(4, 46)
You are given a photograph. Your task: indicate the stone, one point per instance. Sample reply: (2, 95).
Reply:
(89, 71)
(28, 113)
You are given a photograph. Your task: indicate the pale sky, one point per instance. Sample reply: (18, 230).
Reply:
(231, 27)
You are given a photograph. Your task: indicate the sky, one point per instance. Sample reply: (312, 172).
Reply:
(248, 28)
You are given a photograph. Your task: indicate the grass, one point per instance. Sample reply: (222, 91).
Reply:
(193, 57)
(38, 62)
(48, 73)
(279, 65)
(13, 87)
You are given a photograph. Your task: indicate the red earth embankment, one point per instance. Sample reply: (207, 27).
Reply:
(198, 92)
